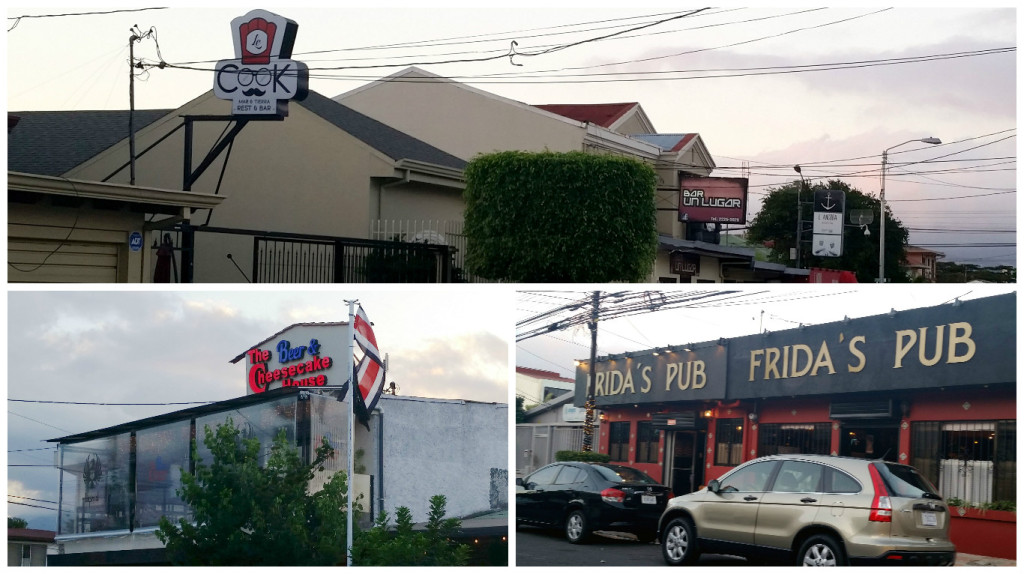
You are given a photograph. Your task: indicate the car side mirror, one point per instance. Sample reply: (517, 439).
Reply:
(519, 481)
(714, 486)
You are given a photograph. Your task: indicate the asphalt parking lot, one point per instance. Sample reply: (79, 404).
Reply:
(548, 547)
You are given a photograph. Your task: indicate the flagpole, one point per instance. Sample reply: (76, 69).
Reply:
(352, 390)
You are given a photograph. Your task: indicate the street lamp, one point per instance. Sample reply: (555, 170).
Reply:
(881, 196)
(799, 214)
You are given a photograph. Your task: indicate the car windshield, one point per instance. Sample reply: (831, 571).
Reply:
(906, 482)
(623, 474)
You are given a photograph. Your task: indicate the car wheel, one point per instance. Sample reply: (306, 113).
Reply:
(821, 550)
(679, 542)
(576, 528)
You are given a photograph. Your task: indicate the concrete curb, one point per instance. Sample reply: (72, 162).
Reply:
(975, 560)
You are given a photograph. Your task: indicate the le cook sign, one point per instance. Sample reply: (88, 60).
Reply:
(261, 79)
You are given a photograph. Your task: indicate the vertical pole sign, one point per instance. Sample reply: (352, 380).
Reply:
(353, 389)
(261, 79)
(829, 211)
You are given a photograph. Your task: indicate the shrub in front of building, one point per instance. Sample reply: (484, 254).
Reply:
(401, 545)
(580, 456)
(560, 217)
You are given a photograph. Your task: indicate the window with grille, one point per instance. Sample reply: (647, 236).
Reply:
(807, 438)
(729, 437)
(975, 462)
(618, 441)
(646, 442)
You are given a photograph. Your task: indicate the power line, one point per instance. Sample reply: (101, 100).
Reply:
(32, 505)
(27, 498)
(32, 449)
(511, 53)
(27, 16)
(35, 421)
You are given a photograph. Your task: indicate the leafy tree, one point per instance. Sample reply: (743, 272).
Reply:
(403, 546)
(560, 217)
(952, 272)
(520, 411)
(245, 514)
(776, 224)
(15, 522)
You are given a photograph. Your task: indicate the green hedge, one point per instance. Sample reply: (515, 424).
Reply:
(560, 217)
(579, 456)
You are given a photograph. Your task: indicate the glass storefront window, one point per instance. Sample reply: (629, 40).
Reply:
(974, 462)
(329, 419)
(646, 442)
(96, 485)
(162, 453)
(618, 441)
(261, 421)
(730, 442)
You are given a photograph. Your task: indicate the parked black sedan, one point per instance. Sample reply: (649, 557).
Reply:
(583, 497)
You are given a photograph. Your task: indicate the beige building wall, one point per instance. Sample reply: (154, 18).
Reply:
(461, 120)
(300, 175)
(61, 244)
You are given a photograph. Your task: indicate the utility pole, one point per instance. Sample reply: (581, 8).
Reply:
(135, 37)
(588, 421)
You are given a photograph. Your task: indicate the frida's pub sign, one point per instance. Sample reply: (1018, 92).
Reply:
(261, 79)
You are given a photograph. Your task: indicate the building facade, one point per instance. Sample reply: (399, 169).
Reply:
(117, 482)
(934, 388)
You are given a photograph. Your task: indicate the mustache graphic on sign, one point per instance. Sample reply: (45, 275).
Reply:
(253, 92)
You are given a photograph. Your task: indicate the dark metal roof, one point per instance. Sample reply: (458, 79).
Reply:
(383, 138)
(53, 143)
(183, 414)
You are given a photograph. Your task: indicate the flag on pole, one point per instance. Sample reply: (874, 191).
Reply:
(364, 336)
(369, 370)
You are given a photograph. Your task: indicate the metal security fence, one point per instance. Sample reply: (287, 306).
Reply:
(975, 462)
(536, 444)
(344, 260)
(808, 438)
(429, 231)
(302, 258)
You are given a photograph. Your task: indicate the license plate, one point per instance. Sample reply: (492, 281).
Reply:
(651, 499)
(929, 519)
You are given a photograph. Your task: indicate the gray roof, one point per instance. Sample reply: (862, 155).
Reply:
(53, 143)
(383, 138)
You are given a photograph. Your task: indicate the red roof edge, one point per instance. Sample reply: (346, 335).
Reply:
(30, 534)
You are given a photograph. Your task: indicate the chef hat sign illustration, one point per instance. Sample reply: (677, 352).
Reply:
(262, 77)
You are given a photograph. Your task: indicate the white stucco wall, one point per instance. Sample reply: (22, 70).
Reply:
(441, 446)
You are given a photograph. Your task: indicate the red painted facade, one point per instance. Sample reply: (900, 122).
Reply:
(973, 534)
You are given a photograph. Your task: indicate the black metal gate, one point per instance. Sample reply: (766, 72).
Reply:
(299, 258)
(344, 260)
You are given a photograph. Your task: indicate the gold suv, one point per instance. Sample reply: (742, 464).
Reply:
(812, 510)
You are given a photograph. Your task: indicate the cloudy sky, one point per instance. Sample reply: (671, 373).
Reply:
(750, 310)
(766, 88)
(160, 347)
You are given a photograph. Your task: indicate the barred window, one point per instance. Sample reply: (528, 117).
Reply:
(809, 438)
(729, 434)
(971, 461)
(618, 441)
(646, 442)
